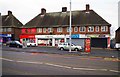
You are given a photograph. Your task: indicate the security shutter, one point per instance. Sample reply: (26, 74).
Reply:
(99, 42)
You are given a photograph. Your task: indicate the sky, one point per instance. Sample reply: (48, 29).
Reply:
(25, 10)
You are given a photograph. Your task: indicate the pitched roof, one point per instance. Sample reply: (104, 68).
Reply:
(118, 29)
(79, 18)
(10, 20)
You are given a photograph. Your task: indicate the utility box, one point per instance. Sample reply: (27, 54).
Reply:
(87, 45)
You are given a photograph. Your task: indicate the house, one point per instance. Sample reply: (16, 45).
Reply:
(10, 29)
(117, 35)
(53, 28)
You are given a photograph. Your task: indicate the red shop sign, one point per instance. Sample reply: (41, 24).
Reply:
(27, 36)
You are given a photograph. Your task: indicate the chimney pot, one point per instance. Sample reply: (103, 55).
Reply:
(64, 9)
(87, 7)
(9, 12)
(43, 11)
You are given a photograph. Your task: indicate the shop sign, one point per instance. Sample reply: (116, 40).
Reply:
(5, 35)
(27, 36)
(49, 36)
(75, 36)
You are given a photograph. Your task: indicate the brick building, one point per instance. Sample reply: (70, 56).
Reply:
(10, 29)
(117, 35)
(52, 28)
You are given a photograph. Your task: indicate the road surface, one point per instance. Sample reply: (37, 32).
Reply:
(22, 63)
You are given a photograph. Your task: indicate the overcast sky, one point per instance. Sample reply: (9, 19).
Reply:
(25, 10)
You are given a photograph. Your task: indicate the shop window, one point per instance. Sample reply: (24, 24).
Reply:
(82, 29)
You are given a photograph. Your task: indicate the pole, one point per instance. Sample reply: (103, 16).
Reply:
(70, 29)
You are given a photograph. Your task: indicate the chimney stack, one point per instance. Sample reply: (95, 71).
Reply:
(43, 11)
(87, 7)
(64, 9)
(9, 12)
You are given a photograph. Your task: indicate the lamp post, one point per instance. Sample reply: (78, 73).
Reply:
(70, 29)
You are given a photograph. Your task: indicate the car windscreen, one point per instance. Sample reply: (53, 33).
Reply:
(18, 42)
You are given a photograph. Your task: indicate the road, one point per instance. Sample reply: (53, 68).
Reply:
(22, 63)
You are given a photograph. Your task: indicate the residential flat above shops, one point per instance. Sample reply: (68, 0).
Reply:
(52, 28)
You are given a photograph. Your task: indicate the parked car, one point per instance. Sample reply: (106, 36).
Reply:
(66, 46)
(117, 46)
(31, 44)
(14, 44)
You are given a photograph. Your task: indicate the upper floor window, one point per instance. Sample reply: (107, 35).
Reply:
(75, 29)
(1, 29)
(44, 30)
(104, 28)
(68, 29)
(49, 30)
(33, 30)
(82, 29)
(4, 29)
(97, 28)
(91, 29)
(39, 30)
(59, 29)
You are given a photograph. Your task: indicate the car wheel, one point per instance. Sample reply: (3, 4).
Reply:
(61, 48)
(17, 46)
(76, 49)
(30, 45)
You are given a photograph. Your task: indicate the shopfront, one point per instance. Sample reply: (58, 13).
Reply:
(50, 40)
(27, 39)
(100, 41)
(5, 38)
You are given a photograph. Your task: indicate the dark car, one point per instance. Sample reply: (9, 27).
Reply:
(15, 44)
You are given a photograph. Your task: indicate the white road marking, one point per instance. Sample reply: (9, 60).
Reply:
(57, 65)
(85, 69)
(91, 69)
(114, 71)
(30, 62)
(68, 67)
(7, 59)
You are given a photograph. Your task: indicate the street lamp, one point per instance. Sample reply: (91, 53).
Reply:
(70, 29)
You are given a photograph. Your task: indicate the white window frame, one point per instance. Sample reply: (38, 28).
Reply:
(69, 29)
(60, 29)
(39, 30)
(104, 28)
(49, 30)
(1, 29)
(91, 29)
(82, 29)
(4, 29)
(75, 29)
(97, 28)
(44, 30)
(9, 29)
